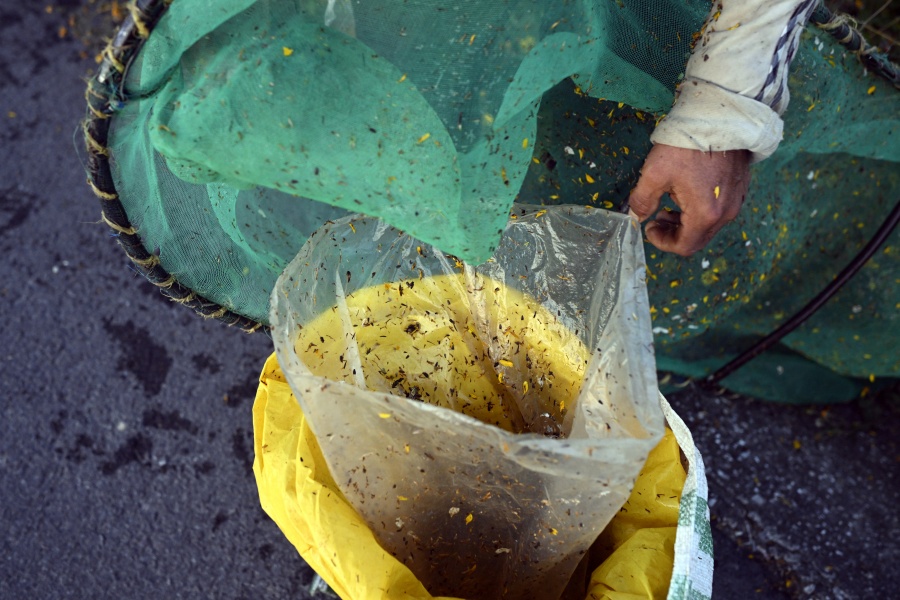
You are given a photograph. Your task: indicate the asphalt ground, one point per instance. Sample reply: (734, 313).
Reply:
(126, 433)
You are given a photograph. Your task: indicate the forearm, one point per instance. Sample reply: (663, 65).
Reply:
(735, 86)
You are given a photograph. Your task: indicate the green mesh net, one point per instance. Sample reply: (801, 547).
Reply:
(248, 124)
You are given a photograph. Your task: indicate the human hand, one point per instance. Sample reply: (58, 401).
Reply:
(709, 187)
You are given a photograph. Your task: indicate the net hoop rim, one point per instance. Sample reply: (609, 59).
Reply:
(102, 104)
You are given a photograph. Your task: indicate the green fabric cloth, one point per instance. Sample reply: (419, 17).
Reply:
(250, 123)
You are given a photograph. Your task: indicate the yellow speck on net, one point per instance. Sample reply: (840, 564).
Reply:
(469, 518)
(384, 415)
(287, 51)
(871, 90)
(423, 138)
(402, 78)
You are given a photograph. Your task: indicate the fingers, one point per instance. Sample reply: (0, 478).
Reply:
(684, 233)
(708, 187)
(653, 182)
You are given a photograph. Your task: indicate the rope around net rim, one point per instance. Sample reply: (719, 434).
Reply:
(843, 29)
(101, 97)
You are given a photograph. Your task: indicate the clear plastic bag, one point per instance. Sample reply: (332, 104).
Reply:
(486, 422)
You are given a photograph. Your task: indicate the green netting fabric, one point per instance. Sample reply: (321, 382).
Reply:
(247, 124)
(422, 113)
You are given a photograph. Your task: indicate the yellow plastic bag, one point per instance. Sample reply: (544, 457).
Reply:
(299, 494)
(638, 545)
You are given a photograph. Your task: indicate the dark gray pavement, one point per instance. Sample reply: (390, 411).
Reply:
(126, 441)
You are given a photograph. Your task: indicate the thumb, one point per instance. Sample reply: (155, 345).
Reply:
(644, 198)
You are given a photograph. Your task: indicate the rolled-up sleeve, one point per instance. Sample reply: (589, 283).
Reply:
(736, 82)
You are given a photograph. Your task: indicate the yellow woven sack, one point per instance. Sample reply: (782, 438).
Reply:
(635, 552)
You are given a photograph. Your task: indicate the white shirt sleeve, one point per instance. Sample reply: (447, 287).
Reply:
(735, 87)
